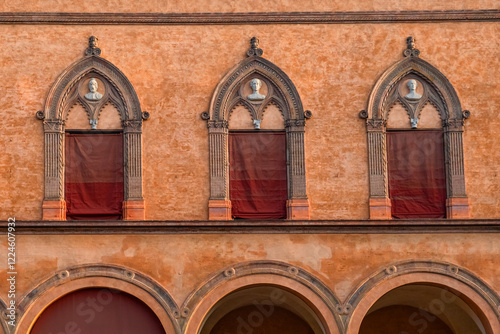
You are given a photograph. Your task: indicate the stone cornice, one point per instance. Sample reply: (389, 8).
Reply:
(259, 227)
(249, 18)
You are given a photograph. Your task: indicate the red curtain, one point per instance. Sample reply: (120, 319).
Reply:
(98, 311)
(94, 176)
(417, 179)
(257, 175)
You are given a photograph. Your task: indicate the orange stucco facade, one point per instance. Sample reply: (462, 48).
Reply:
(337, 260)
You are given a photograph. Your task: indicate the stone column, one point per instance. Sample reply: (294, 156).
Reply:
(297, 203)
(219, 204)
(457, 203)
(54, 206)
(380, 204)
(134, 207)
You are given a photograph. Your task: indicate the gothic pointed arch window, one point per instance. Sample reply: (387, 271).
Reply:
(92, 127)
(415, 146)
(256, 131)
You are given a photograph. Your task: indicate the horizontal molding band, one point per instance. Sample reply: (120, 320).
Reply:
(249, 18)
(257, 227)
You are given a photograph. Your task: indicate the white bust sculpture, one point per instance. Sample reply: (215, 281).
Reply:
(413, 95)
(94, 95)
(256, 96)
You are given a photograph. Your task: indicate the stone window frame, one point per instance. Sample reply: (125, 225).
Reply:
(59, 101)
(287, 99)
(441, 94)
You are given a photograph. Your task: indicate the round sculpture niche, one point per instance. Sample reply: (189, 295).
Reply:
(93, 94)
(411, 89)
(255, 90)
(92, 89)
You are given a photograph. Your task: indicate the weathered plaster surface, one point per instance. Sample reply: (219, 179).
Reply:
(238, 5)
(175, 69)
(180, 263)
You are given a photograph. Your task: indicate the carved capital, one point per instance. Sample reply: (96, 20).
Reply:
(453, 125)
(55, 126)
(375, 124)
(295, 124)
(218, 124)
(132, 126)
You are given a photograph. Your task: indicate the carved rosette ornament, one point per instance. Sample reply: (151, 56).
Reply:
(92, 82)
(413, 83)
(270, 85)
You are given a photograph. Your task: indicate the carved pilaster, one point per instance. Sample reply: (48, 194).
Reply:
(380, 204)
(219, 163)
(219, 206)
(457, 203)
(133, 164)
(377, 164)
(54, 160)
(296, 160)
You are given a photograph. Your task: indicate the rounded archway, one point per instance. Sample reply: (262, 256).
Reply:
(98, 311)
(434, 291)
(262, 309)
(103, 278)
(422, 308)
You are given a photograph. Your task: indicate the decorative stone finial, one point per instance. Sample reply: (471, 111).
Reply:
(254, 50)
(410, 48)
(93, 50)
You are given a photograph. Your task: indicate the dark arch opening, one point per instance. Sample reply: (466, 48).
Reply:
(262, 310)
(97, 311)
(421, 309)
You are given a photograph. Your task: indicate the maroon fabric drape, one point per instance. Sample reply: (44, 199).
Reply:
(257, 175)
(94, 176)
(417, 180)
(98, 311)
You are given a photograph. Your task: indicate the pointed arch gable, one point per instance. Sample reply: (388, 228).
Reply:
(58, 96)
(437, 91)
(447, 96)
(226, 89)
(63, 94)
(229, 93)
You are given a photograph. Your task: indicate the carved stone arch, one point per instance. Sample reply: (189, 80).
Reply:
(481, 297)
(437, 91)
(80, 277)
(6, 317)
(278, 274)
(228, 93)
(65, 93)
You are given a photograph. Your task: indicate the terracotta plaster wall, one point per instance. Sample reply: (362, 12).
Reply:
(181, 263)
(196, 6)
(174, 70)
